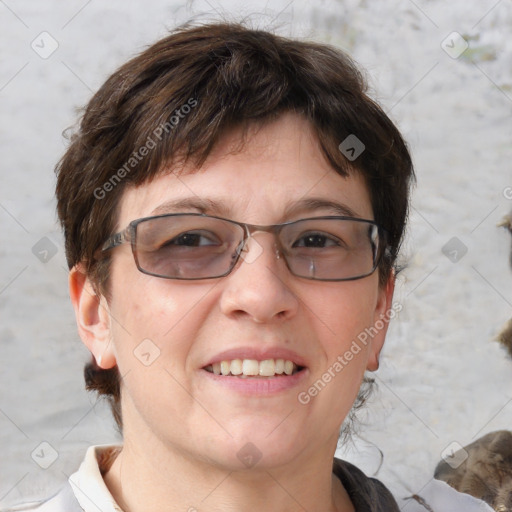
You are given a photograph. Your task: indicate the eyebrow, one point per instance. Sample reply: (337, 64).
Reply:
(204, 205)
(212, 207)
(311, 204)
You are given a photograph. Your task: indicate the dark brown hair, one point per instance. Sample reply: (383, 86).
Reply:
(178, 97)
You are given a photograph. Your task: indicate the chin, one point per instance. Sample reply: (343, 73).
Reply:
(254, 448)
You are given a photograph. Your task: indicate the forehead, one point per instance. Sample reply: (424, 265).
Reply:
(277, 174)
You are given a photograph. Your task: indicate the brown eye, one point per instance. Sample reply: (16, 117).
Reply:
(318, 240)
(192, 239)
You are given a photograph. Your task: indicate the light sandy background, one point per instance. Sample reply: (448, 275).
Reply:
(442, 378)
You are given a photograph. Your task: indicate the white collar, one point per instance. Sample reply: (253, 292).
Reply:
(88, 484)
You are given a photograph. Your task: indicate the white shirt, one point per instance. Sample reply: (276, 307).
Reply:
(87, 492)
(440, 497)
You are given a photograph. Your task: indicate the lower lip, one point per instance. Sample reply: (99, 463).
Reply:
(258, 385)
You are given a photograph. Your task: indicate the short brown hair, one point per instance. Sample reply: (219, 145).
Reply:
(228, 76)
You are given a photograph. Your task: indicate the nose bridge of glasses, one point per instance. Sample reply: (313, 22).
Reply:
(272, 230)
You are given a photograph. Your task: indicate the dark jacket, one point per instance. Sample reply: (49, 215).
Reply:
(367, 494)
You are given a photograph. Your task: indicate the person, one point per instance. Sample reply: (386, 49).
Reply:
(233, 205)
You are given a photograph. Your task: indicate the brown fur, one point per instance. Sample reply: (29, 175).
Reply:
(486, 473)
(505, 336)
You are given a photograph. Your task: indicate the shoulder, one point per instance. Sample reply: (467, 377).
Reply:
(368, 494)
(63, 501)
(84, 490)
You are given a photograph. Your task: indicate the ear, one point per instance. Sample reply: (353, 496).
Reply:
(381, 321)
(92, 317)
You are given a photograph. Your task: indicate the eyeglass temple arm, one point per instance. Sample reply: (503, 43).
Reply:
(114, 241)
(117, 239)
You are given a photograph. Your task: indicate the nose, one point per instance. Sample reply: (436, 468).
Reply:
(260, 286)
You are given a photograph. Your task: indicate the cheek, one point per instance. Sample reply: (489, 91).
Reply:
(344, 315)
(156, 316)
(153, 332)
(343, 321)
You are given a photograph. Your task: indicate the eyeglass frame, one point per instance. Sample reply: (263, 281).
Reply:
(129, 235)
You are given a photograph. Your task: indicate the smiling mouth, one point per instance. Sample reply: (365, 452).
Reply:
(254, 368)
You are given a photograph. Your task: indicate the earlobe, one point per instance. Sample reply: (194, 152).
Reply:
(381, 322)
(92, 318)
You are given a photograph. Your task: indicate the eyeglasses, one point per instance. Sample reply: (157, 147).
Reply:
(199, 246)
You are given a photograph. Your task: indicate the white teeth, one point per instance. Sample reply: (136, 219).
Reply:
(236, 366)
(225, 367)
(250, 367)
(267, 368)
(253, 367)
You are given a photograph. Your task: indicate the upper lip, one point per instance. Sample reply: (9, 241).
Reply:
(257, 353)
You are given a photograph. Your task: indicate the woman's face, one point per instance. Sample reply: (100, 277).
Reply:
(165, 333)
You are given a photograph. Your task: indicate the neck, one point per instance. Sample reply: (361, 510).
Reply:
(141, 481)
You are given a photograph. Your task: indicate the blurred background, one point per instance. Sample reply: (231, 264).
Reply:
(442, 71)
